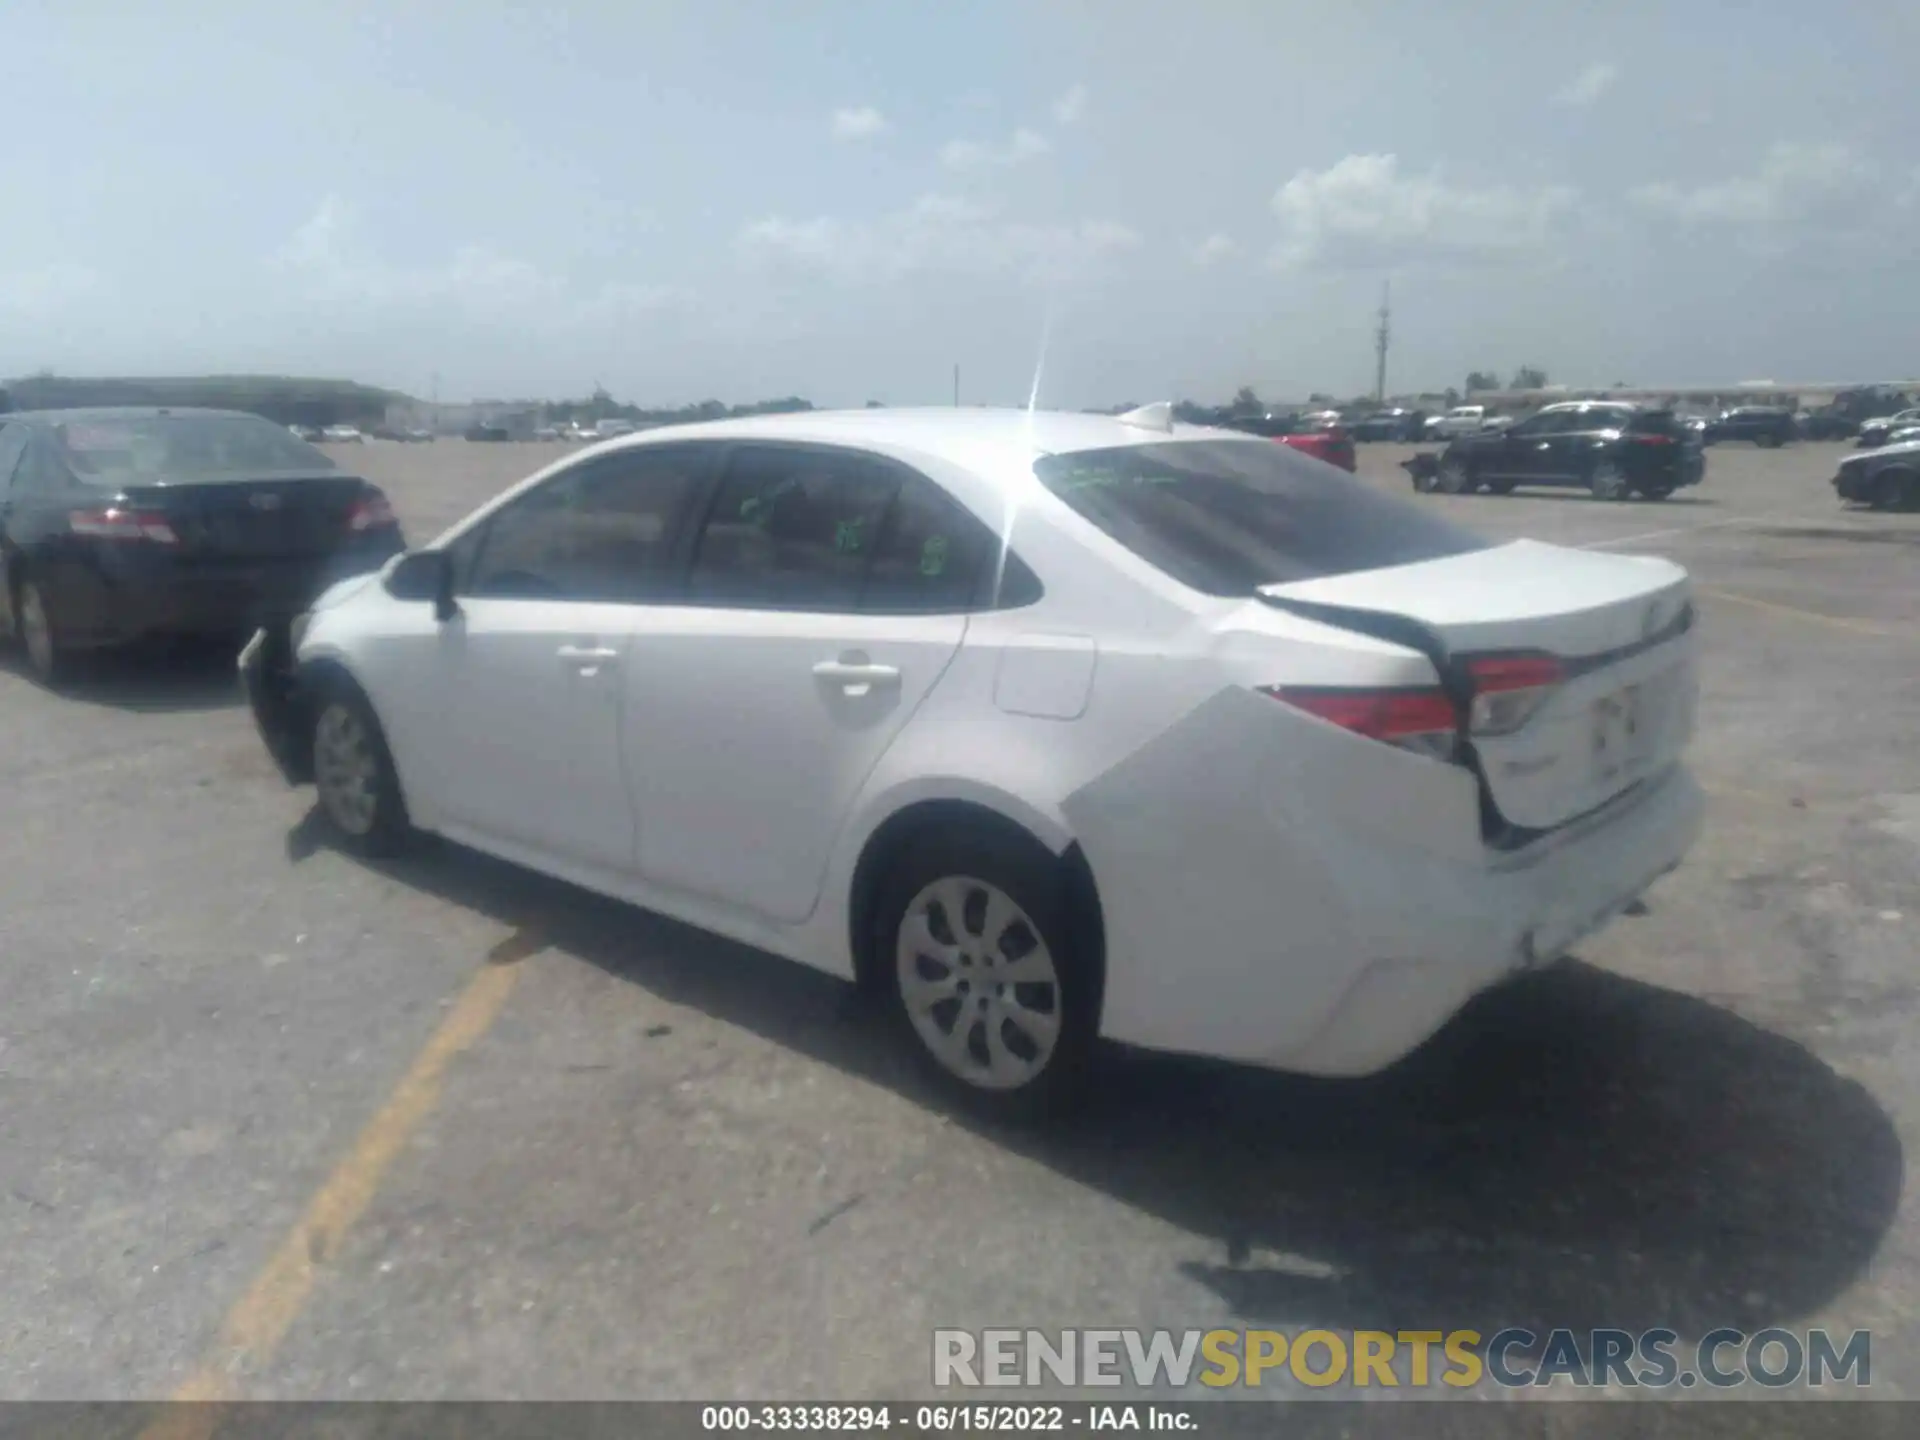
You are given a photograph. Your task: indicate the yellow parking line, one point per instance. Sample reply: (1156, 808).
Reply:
(259, 1320)
(1837, 622)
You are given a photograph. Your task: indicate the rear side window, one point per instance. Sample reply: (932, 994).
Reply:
(932, 554)
(1226, 517)
(1654, 422)
(792, 529)
(818, 529)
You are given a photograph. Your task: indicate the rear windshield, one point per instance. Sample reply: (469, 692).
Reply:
(117, 449)
(1654, 422)
(1226, 517)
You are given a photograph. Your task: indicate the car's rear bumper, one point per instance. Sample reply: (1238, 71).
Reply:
(1500, 923)
(113, 600)
(1324, 905)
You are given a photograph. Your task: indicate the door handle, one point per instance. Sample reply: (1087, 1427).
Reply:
(856, 678)
(587, 660)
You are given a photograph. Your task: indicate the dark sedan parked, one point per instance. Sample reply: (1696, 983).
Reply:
(1766, 426)
(1401, 425)
(1612, 450)
(119, 524)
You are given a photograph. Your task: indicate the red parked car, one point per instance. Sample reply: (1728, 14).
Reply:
(1320, 436)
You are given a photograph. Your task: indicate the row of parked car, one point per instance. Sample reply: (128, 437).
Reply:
(1764, 425)
(1617, 451)
(354, 435)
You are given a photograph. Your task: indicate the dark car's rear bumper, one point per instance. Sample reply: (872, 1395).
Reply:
(106, 599)
(281, 711)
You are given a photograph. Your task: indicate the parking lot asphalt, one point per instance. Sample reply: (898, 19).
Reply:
(276, 1123)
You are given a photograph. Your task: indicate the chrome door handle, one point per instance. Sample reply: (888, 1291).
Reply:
(587, 660)
(856, 678)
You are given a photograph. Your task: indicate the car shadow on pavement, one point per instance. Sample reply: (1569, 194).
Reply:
(1577, 1149)
(181, 677)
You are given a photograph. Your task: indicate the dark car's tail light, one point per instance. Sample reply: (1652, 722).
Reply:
(370, 512)
(115, 523)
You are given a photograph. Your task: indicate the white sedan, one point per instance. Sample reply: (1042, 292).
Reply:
(1049, 727)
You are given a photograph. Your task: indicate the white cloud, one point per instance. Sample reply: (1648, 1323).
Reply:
(861, 122)
(1213, 249)
(937, 234)
(1589, 85)
(1363, 212)
(1795, 184)
(977, 155)
(1071, 107)
(327, 261)
(45, 290)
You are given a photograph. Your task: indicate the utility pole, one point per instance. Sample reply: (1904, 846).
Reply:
(1380, 338)
(956, 384)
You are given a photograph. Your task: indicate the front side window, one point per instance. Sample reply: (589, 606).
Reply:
(600, 532)
(1228, 516)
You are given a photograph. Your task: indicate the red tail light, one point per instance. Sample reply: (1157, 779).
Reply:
(370, 512)
(1507, 690)
(1416, 719)
(115, 523)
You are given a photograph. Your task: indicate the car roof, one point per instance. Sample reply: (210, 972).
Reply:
(125, 412)
(969, 436)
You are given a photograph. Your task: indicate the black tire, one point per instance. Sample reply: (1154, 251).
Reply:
(1501, 487)
(382, 828)
(974, 862)
(1767, 440)
(1897, 490)
(1656, 492)
(1608, 481)
(1453, 477)
(36, 627)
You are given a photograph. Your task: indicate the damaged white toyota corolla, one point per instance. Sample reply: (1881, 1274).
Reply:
(1052, 727)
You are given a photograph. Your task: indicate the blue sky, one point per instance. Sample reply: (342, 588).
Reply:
(843, 200)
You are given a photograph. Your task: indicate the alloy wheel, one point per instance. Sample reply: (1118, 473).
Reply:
(1608, 482)
(978, 983)
(346, 770)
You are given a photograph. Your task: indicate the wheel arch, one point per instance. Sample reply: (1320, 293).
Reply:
(1895, 486)
(888, 839)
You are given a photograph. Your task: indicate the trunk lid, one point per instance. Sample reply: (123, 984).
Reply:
(1621, 628)
(278, 518)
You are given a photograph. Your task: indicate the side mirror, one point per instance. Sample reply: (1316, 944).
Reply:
(425, 575)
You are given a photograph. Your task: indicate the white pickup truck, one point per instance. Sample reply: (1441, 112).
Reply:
(1460, 420)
